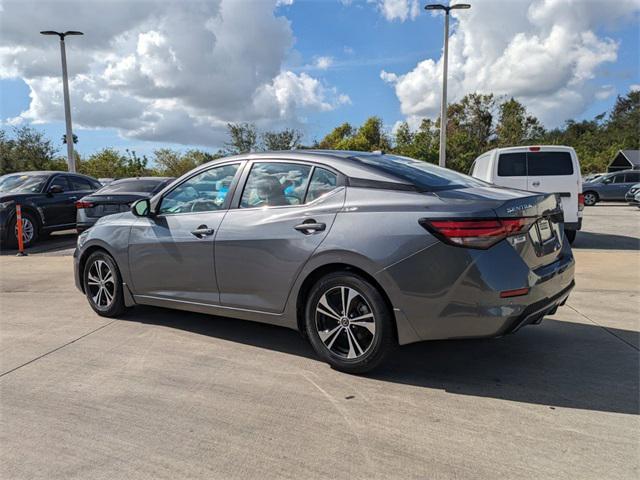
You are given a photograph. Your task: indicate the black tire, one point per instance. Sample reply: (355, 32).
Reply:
(110, 307)
(590, 199)
(571, 235)
(371, 348)
(11, 238)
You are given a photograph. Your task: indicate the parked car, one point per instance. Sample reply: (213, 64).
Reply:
(612, 186)
(359, 251)
(636, 200)
(116, 197)
(591, 177)
(632, 192)
(549, 169)
(47, 201)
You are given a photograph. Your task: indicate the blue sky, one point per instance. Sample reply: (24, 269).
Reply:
(358, 41)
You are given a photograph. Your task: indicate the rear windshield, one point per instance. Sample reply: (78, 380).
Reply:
(425, 176)
(549, 163)
(143, 186)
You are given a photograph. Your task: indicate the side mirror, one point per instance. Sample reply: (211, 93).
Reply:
(141, 208)
(55, 189)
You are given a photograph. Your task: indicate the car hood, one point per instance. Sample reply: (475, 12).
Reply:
(6, 197)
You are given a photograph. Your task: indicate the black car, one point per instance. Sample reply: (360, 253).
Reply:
(116, 197)
(47, 201)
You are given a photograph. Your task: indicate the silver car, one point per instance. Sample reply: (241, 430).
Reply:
(358, 251)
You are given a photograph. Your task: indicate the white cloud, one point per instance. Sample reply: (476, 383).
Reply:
(399, 9)
(546, 53)
(164, 70)
(634, 87)
(605, 91)
(323, 63)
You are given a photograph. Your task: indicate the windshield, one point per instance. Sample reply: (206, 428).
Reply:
(143, 186)
(423, 175)
(22, 183)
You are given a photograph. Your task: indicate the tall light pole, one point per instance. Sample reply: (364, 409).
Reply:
(443, 106)
(71, 160)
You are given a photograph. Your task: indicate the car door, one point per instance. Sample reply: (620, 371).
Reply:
(283, 213)
(171, 252)
(58, 207)
(553, 172)
(630, 179)
(511, 170)
(612, 187)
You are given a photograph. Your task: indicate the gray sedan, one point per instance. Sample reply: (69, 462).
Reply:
(358, 251)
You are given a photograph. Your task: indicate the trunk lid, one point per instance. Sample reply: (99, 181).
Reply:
(110, 204)
(541, 244)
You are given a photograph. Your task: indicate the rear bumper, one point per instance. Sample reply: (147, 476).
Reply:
(447, 292)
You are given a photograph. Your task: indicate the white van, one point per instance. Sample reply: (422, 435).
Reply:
(549, 169)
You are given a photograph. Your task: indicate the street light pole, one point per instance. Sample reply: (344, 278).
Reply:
(71, 160)
(442, 157)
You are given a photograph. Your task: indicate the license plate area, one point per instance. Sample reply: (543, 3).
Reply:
(545, 236)
(111, 208)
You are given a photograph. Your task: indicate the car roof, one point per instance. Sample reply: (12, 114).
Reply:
(526, 148)
(347, 162)
(50, 172)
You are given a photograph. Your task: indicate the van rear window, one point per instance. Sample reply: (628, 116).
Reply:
(549, 163)
(512, 165)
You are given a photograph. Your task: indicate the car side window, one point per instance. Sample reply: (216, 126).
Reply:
(632, 177)
(619, 178)
(275, 184)
(79, 184)
(512, 165)
(204, 192)
(60, 181)
(322, 182)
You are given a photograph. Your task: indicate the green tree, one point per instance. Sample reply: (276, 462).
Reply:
(286, 139)
(106, 163)
(27, 149)
(336, 136)
(243, 138)
(516, 126)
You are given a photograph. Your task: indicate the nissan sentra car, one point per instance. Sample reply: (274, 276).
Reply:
(358, 251)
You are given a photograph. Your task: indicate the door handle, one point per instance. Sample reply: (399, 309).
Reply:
(202, 231)
(310, 226)
(536, 184)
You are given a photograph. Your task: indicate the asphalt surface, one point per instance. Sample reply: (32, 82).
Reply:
(165, 394)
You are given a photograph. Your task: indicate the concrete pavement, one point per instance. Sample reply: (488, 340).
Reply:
(165, 394)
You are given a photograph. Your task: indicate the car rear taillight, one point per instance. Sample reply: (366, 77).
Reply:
(80, 204)
(580, 201)
(476, 233)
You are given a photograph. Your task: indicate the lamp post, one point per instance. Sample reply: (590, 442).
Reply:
(443, 106)
(71, 161)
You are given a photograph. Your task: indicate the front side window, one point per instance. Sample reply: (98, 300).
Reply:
(512, 165)
(204, 192)
(60, 182)
(618, 178)
(275, 184)
(322, 182)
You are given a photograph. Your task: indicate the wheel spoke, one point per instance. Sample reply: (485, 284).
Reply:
(324, 303)
(92, 278)
(98, 296)
(331, 334)
(354, 347)
(108, 296)
(371, 326)
(350, 296)
(108, 277)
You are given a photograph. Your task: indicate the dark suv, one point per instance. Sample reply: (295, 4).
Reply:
(47, 200)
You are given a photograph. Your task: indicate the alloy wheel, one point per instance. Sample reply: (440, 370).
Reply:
(589, 199)
(345, 322)
(28, 230)
(101, 284)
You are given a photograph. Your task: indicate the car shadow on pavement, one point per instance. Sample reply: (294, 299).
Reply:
(56, 242)
(603, 241)
(559, 364)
